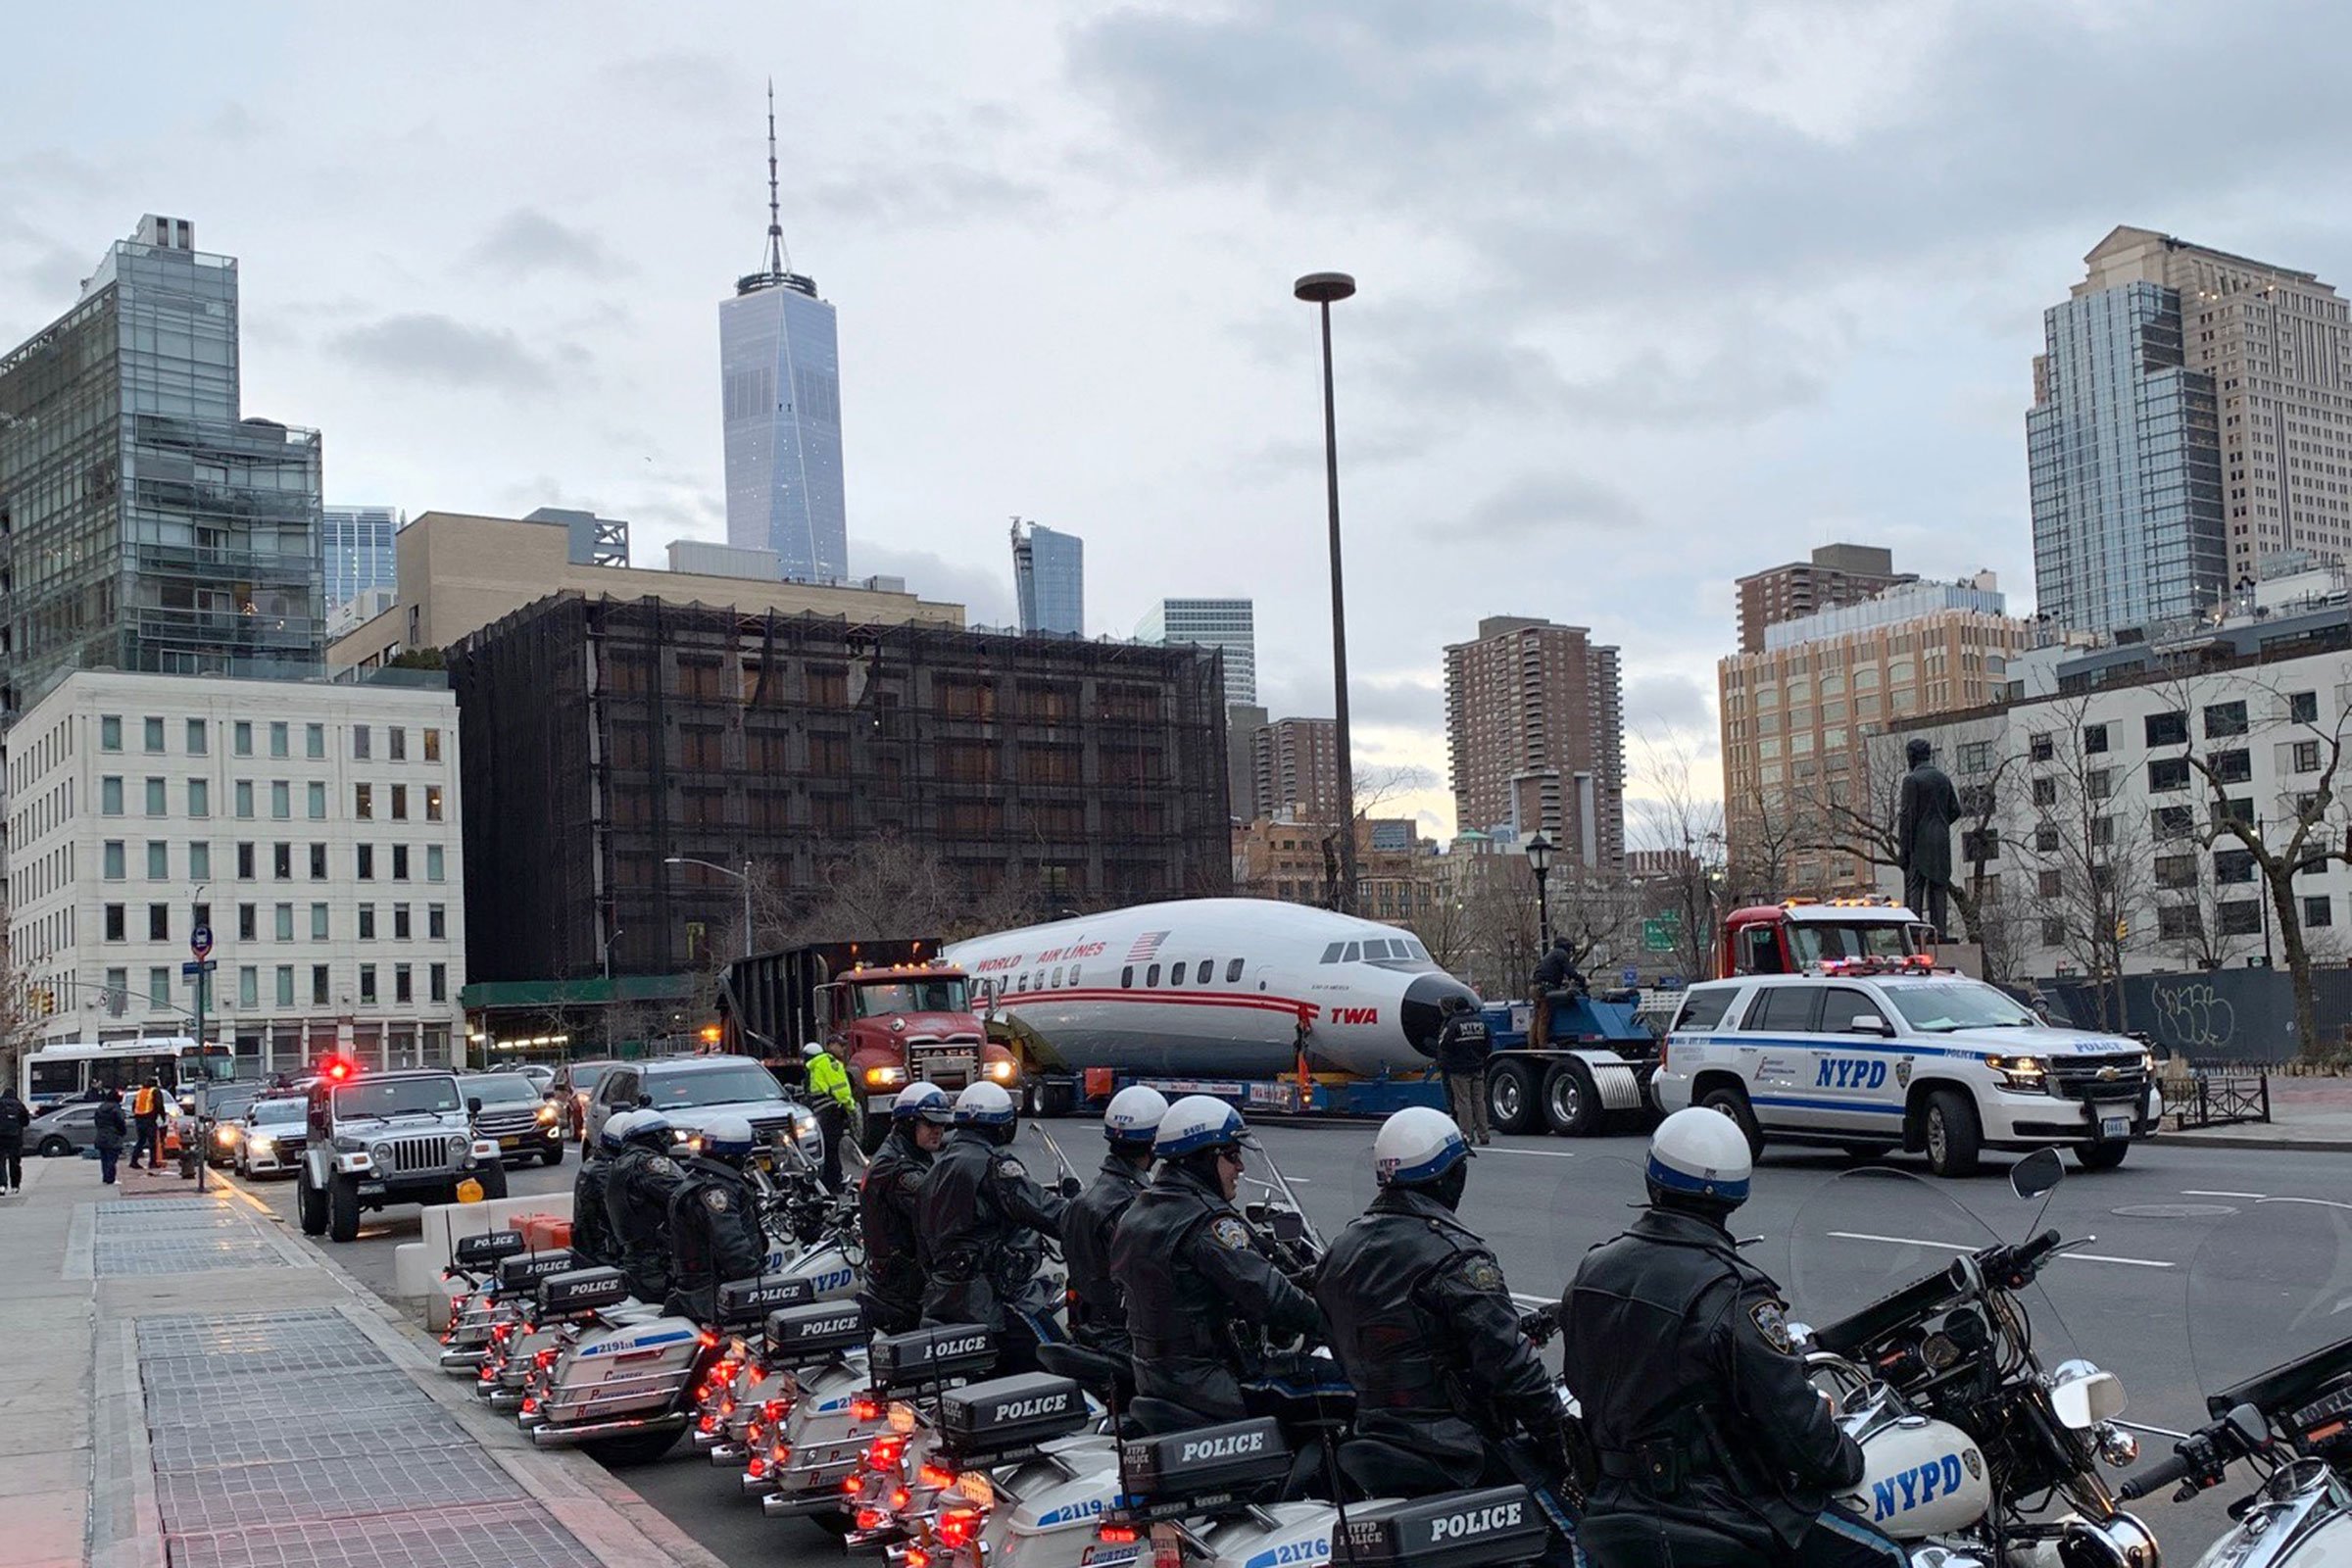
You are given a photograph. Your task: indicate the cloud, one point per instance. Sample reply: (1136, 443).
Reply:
(1667, 701)
(1539, 506)
(920, 194)
(986, 597)
(426, 346)
(526, 242)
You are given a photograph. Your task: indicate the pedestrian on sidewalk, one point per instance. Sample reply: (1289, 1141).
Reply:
(1462, 1048)
(109, 1129)
(147, 1111)
(13, 1119)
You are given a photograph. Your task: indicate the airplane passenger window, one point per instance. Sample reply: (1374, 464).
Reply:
(1021, 984)
(1331, 954)
(1055, 983)
(1207, 971)
(1352, 951)
(1152, 975)
(1233, 971)
(1073, 974)
(1176, 975)
(1127, 978)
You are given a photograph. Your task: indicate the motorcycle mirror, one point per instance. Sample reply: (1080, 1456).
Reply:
(2082, 1396)
(2037, 1173)
(2248, 1423)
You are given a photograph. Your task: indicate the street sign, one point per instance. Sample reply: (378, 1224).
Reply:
(1661, 933)
(200, 942)
(1630, 977)
(189, 971)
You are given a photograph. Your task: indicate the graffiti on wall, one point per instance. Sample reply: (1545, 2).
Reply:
(2193, 1016)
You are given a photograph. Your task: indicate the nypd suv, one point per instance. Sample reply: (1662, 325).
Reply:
(1877, 1057)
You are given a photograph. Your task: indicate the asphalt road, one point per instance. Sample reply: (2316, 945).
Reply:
(1833, 1238)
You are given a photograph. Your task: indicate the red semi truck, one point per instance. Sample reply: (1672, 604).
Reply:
(1791, 936)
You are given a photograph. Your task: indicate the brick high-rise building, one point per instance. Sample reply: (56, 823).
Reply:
(1295, 768)
(1837, 574)
(1535, 724)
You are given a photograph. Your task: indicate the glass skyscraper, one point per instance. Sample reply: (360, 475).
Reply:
(356, 549)
(1049, 578)
(781, 370)
(145, 522)
(2123, 449)
(1229, 624)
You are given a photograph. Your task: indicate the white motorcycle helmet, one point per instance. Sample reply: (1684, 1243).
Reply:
(811, 1050)
(615, 1130)
(729, 1139)
(1195, 1123)
(1132, 1119)
(923, 1101)
(1700, 1158)
(1422, 1148)
(989, 1108)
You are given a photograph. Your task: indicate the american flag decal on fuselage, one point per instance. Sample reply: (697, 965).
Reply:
(1146, 946)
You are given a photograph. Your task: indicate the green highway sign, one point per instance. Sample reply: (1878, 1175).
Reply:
(1661, 933)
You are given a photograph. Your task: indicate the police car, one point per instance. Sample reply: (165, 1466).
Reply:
(1874, 1056)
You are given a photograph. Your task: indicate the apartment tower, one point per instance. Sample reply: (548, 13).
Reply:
(1535, 727)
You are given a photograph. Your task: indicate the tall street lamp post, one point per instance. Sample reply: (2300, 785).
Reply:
(1539, 859)
(743, 876)
(1322, 291)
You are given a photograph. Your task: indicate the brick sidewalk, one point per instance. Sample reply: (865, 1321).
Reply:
(191, 1387)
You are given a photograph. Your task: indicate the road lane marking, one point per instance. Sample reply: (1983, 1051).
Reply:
(1954, 1246)
(1540, 1153)
(1534, 1300)
(2195, 1192)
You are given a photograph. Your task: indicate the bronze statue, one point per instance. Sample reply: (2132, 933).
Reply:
(1923, 835)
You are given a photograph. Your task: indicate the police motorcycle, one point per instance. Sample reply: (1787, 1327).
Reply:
(2269, 1325)
(1929, 1353)
(497, 1272)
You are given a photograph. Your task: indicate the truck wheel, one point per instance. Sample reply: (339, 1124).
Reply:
(1954, 1136)
(1510, 1099)
(2101, 1156)
(638, 1447)
(493, 1178)
(309, 1205)
(342, 1209)
(1730, 1099)
(1572, 1100)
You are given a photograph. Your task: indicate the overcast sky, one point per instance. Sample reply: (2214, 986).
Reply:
(1652, 296)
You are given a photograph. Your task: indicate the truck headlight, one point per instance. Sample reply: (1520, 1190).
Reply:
(1000, 1072)
(224, 1134)
(547, 1114)
(2028, 1075)
(885, 1077)
(262, 1144)
(381, 1153)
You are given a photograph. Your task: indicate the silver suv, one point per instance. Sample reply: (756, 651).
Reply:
(389, 1138)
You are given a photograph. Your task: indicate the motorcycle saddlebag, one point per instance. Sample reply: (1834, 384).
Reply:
(745, 1304)
(799, 1336)
(491, 1247)
(1456, 1530)
(1008, 1415)
(932, 1355)
(582, 1290)
(1186, 1472)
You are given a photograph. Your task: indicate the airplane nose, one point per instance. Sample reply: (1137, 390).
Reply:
(1425, 1008)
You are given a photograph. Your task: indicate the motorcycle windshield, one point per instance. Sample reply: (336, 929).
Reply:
(1873, 1234)
(2271, 1287)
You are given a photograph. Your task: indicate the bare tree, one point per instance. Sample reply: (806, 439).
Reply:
(2091, 861)
(1766, 827)
(1672, 815)
(22, 1006)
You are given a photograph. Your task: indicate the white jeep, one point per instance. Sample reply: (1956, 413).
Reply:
(389, 1138)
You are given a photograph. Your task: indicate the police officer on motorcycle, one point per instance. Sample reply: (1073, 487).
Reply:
(1098, 1311)
(715, 1237)
(981, 1225)
(1191, 1269)
(886, 1204)
(1712, 1447)
(637, 1192)
(1423, 1323)
(591, 1240)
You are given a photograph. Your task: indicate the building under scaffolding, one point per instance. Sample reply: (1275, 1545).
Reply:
(603, 737)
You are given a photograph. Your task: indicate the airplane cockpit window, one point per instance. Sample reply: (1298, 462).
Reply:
(1152, 975)
(1233, 972)
(1353, 953)
(1331, 954)
(1419, 952)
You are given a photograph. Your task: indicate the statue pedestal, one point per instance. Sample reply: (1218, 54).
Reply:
(1965, 956)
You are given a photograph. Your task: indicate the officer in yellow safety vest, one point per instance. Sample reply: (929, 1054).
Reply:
(146, 1110)
(833, 1101)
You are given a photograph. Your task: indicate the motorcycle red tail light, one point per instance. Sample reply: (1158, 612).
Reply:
(869, 1519)
(1116, 1535)
(865, 1410)
(958, 1527)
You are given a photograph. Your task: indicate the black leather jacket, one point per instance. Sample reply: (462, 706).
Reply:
(1423, 1324)
(886, 1201)
(637, 1202)
(1098, 1311)
(1694, 1399)
(979, 1220)
(1191, 1267)
(1463, 1044)
(715, 1236)
(592, 1239)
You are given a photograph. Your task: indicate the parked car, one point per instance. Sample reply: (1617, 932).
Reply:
(509, 1106)
(271, 1134)
(218, 1109)
(574, 1085)
(693, 1091)
(542, 1076)
(67, 1129)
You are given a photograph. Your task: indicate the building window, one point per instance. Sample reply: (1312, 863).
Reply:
(198, 740)
(400, 862)
(396, 742)
(159, 922)
(2041, 748)
(159, 989)
(159, 860)
(2319, 910)
(2053, 932)
(110, 796)
(437, 921)
(240, 738)
(400, 800)
(285, 918)
(244, 862)
(313, 741)
(114, 923)
(402, 988)
(2178, 922)
(249, 986)
(315, 794)
(2223, 719)
(2237, 807)
(2307, 756)
(249, 925)
(2168, 773)
(285, 985)
(200, 797)
(432, 745)
(366, 922)
(319, 985)
(244, 799)
(2233, 866)
(281, 861)
(281, 799)
(200, 861)
(364, 855)
(367, 984)
(2240, 918)
(154, 733)
(117, 992)
(2098, 783)
(400, 922)
(2168, 728)
(318, 863)
(110, 732)
(362, 802)
(2102, 831)
(2047, 884)
(2046, 792)
(2169, 822)
(318, 921)
(436, 977)
(2303, 707)
(432, 862)
(1976, 756)
(157, 805)
(277, 738)
(360, 749)
(432, 803)
(113, 861)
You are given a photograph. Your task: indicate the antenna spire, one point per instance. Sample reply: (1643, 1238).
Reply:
(775, 221)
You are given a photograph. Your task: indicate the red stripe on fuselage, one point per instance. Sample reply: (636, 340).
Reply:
(1213, 999)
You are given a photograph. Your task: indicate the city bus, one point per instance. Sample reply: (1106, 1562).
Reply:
(52, 1074)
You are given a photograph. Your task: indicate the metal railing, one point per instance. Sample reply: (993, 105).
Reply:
(2223, 1095)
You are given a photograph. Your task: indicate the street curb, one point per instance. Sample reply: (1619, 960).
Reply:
(553, 1477)
(2287, 1145)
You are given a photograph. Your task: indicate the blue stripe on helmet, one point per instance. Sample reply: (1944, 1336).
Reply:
(1679, 1181)
(1225, 1132)
(1449, 1154)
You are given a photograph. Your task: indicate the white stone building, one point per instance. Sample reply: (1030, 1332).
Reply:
(314, 826)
